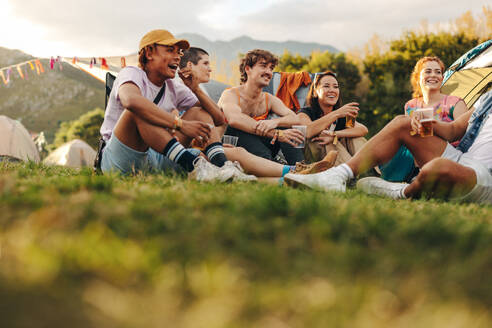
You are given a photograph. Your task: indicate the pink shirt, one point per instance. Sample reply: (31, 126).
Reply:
(176, 96)
(443, 111)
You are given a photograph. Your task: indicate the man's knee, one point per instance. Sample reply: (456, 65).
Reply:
(400, 122)
(198, 114)
(438, 169)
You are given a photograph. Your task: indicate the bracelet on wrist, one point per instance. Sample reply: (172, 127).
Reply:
(275, 137)
(178, 123)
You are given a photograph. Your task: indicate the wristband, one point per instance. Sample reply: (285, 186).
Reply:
(275, 136)
(335, 139)
(178, 123)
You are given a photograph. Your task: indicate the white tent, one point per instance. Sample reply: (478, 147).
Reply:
(75, 153)
(15, 141)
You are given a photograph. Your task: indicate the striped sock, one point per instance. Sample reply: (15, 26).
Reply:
(178, 154)
(215, 154)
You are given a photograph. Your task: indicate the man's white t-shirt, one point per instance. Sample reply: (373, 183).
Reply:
(481, 149)
(176, 96)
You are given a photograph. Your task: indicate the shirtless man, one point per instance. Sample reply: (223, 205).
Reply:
(247, 110)
(463, 173)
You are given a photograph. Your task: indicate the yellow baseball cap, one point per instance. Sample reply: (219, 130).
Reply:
(162, 37)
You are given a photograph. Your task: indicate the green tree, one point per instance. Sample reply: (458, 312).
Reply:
(86, 128)
(348, 75)
(291, 63)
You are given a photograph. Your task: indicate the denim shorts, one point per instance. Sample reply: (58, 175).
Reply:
(118, 157)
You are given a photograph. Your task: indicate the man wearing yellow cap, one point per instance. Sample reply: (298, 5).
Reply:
(140, 127)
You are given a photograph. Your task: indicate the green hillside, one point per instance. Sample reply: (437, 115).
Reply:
(42, 102)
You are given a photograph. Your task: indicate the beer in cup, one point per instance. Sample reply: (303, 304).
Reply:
(349, 121)
(426, 117)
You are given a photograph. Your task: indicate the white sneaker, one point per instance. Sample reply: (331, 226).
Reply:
(207, 172)
(329, 180)
(239, 174)
(380, 187)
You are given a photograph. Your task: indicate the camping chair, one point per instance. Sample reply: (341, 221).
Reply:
(109, 86)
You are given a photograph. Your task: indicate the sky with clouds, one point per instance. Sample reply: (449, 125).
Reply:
(107, 27)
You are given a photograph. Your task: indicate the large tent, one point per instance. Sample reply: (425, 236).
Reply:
(16, 142)
(75, 153)
(471, 75)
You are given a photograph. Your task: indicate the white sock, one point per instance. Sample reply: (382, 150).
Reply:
(402, 192)
(346, 171)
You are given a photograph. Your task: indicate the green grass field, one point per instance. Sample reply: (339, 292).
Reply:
(81, 250)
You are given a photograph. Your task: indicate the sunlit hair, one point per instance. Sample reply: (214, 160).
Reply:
(193, 55)
(415, 77)
(252, 57)
(312, 97)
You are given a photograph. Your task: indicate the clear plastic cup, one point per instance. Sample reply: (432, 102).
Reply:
(426, 117)
(229, 140)
(301, 128)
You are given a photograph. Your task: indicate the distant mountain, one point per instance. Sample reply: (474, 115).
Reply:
(42, 102)
(229, 50)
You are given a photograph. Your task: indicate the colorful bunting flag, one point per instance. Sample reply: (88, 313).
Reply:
(3, 77)
(9, 71)
(74, 60)
(123, 62)
(32, 66)
(52, 63)
(25, 73)
(104, 65)
(20, 71)
(39, 66)
(58, 59)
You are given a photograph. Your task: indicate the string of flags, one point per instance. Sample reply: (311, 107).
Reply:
(34, 65)
(24, 69)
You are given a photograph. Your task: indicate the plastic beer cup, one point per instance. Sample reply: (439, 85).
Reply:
(229, 140)
(301, 128)
(426, 117)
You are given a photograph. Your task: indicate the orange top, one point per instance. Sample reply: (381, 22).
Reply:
(260, 117)
(289, 83)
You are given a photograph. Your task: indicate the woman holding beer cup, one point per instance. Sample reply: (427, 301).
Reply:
(426, 80)
(330, 126)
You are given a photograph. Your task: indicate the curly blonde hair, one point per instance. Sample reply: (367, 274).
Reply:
(414, 78)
